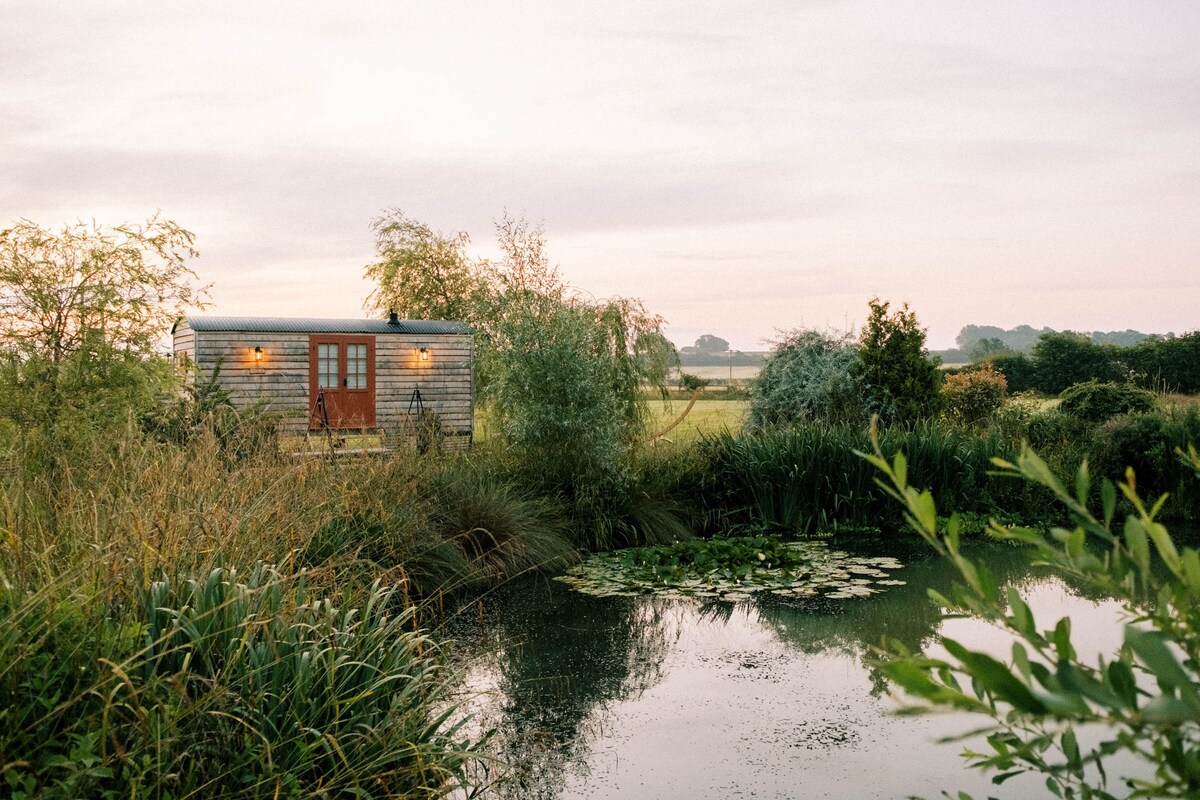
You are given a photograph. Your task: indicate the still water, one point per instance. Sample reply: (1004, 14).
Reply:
(641, 698)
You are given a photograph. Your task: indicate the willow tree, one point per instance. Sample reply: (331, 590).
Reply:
(562, 373)
(84, 308)
(421, 273)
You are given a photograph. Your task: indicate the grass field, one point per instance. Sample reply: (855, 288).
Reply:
(707, 416)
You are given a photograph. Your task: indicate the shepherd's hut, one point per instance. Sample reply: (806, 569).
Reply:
(338, 374)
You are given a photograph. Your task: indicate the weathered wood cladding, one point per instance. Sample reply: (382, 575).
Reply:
(184, 343)
(281, 376)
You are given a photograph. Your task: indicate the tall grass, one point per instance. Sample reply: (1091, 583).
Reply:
(238, 687)
(809, 477)
(136, 659)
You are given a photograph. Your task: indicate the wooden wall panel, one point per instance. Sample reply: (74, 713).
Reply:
(282, 375)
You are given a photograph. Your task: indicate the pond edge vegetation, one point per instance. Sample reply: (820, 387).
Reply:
(174, 585)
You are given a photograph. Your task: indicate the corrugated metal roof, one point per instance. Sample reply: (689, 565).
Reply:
(311, 325)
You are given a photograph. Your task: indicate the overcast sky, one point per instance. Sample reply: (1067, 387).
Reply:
(741, 167)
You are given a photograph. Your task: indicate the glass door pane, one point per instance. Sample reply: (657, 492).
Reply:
(356, 366)
(327, 366)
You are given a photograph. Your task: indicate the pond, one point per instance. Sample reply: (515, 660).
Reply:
(643, 698)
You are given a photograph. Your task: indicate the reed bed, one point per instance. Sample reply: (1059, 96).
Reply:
(184, 620)
(810, 478)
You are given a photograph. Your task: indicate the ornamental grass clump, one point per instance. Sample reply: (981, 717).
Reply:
(226, 685)
(301, 693)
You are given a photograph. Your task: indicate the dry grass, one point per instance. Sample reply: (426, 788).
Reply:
(1179, 402)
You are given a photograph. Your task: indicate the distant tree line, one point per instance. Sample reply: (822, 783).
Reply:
(713, 351)
(1059, 360)
(975, 342)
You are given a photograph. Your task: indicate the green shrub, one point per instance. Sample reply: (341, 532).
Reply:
(206, 408)
(807, 377)
(1067, 358)
(1097, 402)
(973, 397)
(1018, 370)
(1146, 443)
(1171, 363)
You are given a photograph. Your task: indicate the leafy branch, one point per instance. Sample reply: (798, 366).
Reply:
(1143, 700)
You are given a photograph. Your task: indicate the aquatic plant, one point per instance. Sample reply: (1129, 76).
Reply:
(733, 569)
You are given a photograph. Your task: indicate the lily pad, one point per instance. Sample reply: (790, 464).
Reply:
(733, 570)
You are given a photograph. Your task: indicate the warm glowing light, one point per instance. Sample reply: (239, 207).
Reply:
(424, 354)
(258, 354)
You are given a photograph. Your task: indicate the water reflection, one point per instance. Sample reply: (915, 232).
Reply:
(545, 662)
(641, 698)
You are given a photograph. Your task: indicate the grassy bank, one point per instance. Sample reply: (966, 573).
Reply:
(172, 610)
(177, 621)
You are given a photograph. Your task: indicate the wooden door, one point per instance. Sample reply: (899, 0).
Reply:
(341, 381)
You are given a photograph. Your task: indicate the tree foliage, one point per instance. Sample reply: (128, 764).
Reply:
(984, 348)
(1067, 358)
(711, 344)
(899, 382)
(84, 308)
(1020, 373)
(87, 286)
(422, 274)
(1054, 711)
(807, 377)
(561, 371)
(1165, 362)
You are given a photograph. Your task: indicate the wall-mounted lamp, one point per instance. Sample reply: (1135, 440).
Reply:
(258, 354)
(424, 354)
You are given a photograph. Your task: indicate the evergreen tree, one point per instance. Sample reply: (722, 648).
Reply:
(899, 381)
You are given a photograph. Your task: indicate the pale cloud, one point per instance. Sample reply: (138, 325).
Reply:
(751, 166)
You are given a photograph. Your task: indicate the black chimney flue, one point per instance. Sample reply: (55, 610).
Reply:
(392, 318)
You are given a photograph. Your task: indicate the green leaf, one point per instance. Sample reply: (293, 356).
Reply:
(1062, 640)
(1021, 661)
(1166, 548)
(1138, 544)
(1070, 748)
(1108, 497)
(1191, 570)
(1123, 683)
(1079, 681)
(1021, 617)
(996, 678)
(1082, 483)
(1168, 710)
(1151, 649)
